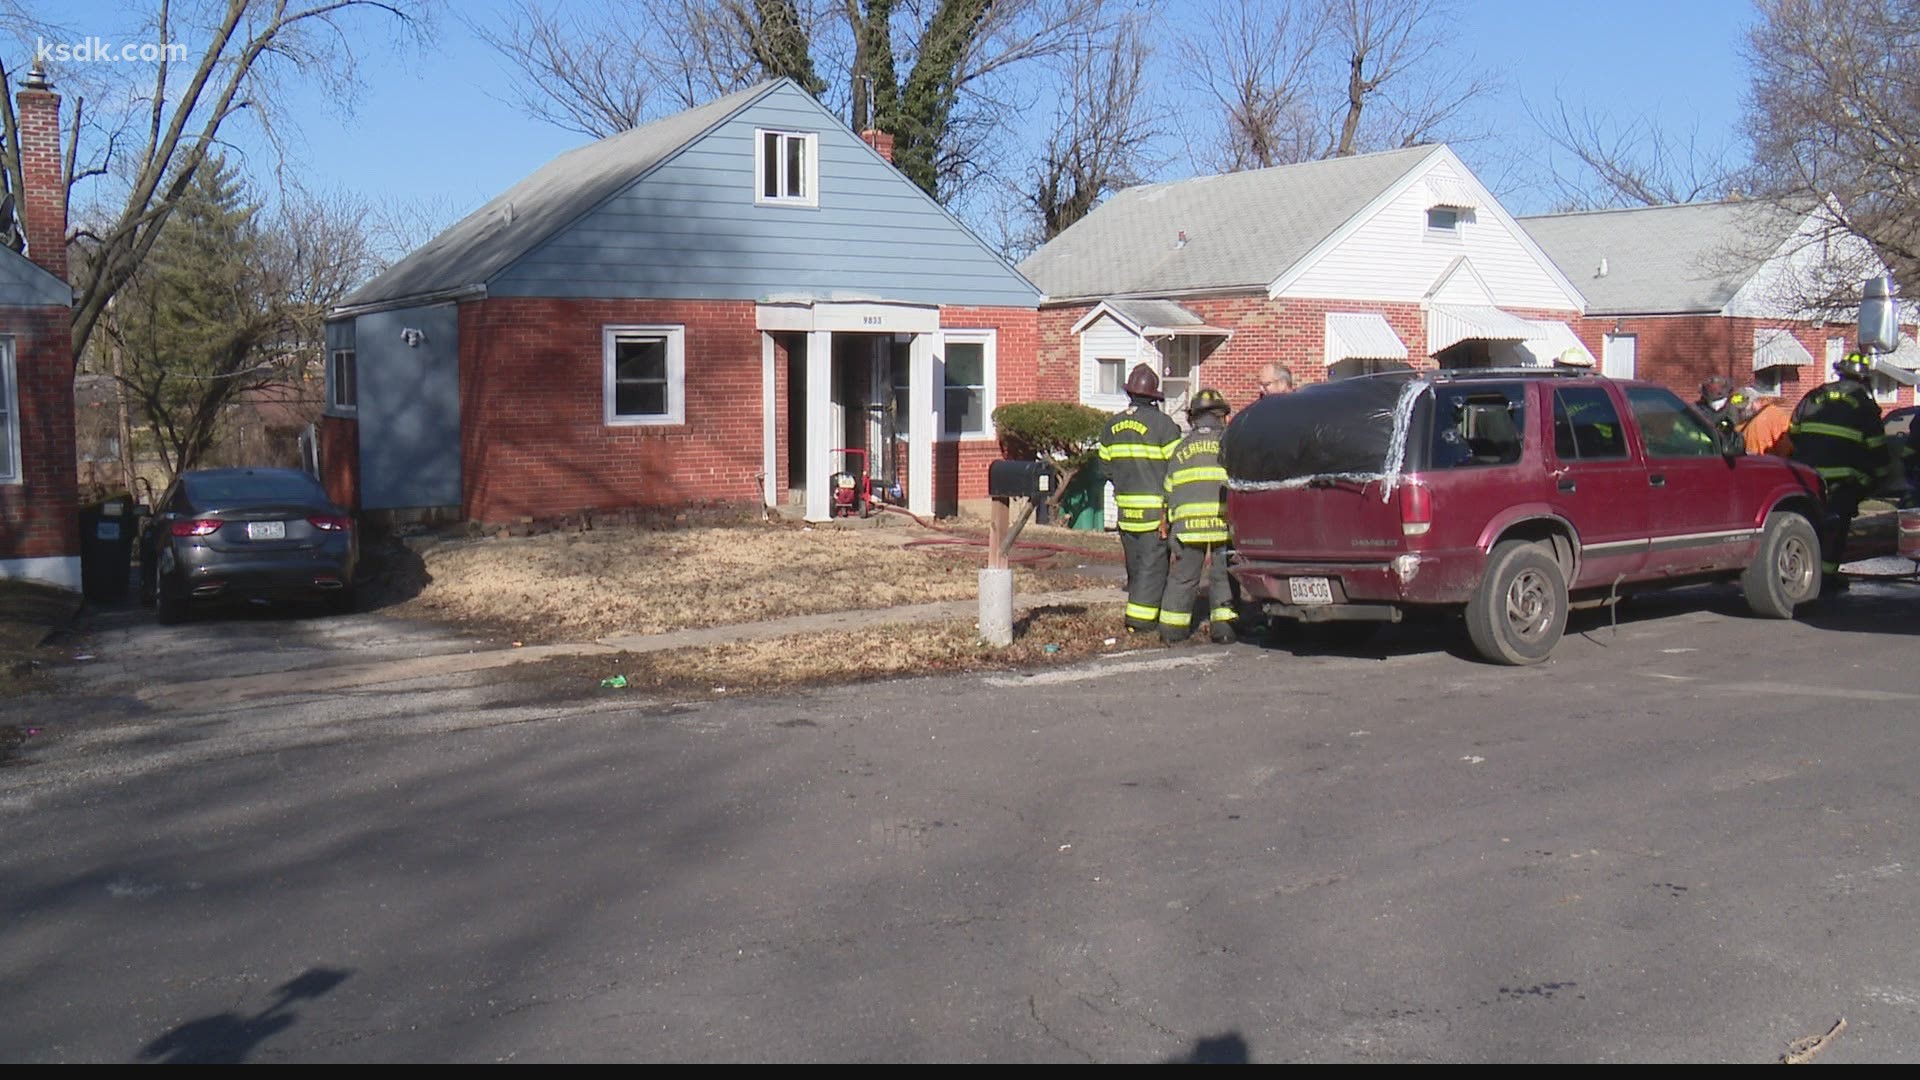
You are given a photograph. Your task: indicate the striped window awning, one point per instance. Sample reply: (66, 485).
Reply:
(1448, 192)
(1450, 324)
(1362, 336)
(1778, 348)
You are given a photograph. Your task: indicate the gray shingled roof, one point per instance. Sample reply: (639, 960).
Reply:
(486, 241)
(1662, 259)
(24, 283)
(1166, 313)
(1243, 229)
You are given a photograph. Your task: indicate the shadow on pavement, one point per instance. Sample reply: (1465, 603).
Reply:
(1228, 1048)
(229, 1038)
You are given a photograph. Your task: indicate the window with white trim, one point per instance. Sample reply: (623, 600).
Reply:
(1770, 381)
(968, 405)
(1836, 352)
(645, 373)
(786, 168)
(1885, 390)
(1112, 381)
(343, 381)
(9, 416)
(1443, 219)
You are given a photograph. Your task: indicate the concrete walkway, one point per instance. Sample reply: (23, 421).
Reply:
(241, 688)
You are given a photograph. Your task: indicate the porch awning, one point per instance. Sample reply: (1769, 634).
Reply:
(1362, 336)
(1907, 355)
(1451, 193)
(1556, 341)
(1163, 318)
(1778, 348)
(1450, 324)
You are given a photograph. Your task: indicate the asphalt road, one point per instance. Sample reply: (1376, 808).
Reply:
(1689, 838)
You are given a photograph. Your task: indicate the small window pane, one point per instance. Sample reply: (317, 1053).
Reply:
(6, 411)
(1442, 219)
(644, 358)
(1586, 425)
(346, 394)
(966, 364)
(1110, 380)
(770, 165)
(965, 414)
(1482, 426)
(1670, 428)
(640, 399)
(796, 166)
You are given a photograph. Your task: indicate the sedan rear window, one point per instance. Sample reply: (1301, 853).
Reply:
(252, 487)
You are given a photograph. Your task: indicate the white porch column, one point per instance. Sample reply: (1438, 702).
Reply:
(769, 433)
(820, 438)
(926, 370)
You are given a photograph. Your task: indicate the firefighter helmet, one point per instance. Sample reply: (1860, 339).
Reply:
(1142, 382)
(1856, 365)
(1208, 401)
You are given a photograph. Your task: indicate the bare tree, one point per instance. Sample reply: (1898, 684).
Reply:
(1104, 133)
(1834, 115)
(177, 121)
(1598, 163)
(1297, 80)
(1255, 59)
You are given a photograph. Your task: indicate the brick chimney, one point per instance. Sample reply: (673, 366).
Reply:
(881, 141)
(43, 203)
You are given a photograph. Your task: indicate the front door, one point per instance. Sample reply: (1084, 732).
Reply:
(1690, 488)
(1598, 485)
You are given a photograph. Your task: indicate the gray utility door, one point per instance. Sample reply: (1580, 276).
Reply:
(409, 374)
(1617, 355)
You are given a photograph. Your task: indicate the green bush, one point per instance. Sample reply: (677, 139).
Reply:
(1063, 432)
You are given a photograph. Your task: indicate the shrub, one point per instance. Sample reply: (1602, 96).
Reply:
(1062, 432)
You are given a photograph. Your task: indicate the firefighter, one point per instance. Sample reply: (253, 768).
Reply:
(1134, 447)
(1197, 521)
(1716, 402)
(1837, 431)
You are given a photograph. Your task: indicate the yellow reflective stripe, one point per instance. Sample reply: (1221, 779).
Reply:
(1176, 618)
(1166, 452)
(1876, 440)
(1140, 526)
(1197, 474)
(1131, 452)
(1196, 510)
(1192, 535)
(1843, 472)
(1142, 611)
(1834, 430)
(1223, 614)
(1145, 502)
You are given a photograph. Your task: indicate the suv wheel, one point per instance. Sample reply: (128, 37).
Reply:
(1785, 572)
(1519, 611)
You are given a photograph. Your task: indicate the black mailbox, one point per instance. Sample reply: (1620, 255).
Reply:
(1021, 480)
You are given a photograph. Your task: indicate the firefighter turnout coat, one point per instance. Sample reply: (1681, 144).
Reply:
(1197, 488)
(1134, 448)
(1837, 431)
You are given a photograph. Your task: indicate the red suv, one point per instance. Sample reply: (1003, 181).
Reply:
(1510, 495)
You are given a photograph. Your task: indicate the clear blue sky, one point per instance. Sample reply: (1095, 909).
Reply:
(431, 126)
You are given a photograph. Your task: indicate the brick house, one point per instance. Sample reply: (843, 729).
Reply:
(1334, 267)
(39, 531)
(1679, 293)
(703, 309)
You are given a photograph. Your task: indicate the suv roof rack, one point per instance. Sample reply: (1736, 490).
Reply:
(1508, 372)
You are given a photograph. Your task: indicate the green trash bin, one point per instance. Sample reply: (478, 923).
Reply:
(1084, 504)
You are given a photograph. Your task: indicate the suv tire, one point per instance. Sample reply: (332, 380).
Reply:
(1519, 611)
(1785, 571)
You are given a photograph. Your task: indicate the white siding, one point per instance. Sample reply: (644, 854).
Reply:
(1808, 266)
(1394, 257)
(1106, 338)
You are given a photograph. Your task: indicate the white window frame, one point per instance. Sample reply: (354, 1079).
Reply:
(10, 418)
(1771, 381)
(1889, 396)
(988, 340)
(676, 339)
(1452, 229)
(1836, 352)
(810, 190)
(1119, 376)
(334, 405)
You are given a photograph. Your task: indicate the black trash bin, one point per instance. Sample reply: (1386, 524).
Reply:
(107, 532)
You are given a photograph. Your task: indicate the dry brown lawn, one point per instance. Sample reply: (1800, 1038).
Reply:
(1072, 632)
(585, 585)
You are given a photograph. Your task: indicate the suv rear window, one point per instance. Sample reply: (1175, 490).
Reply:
(252, 487)
(1586, 427)
(1477, 424)
(1343, 428)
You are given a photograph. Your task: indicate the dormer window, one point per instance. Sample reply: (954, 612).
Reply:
(786, 168)
(1443, 219)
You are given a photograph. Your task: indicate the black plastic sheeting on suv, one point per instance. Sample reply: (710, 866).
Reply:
(1351, 427)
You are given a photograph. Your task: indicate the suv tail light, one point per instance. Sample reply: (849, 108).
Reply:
(330, 523)
(196, 527)
(1416, 509)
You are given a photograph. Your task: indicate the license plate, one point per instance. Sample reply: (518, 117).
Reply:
(1310, 590)
(266, 530)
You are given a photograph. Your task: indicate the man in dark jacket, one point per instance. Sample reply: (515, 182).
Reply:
(1197, 520)
(1134, 447)
(1716, 401)
(1837, 431)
